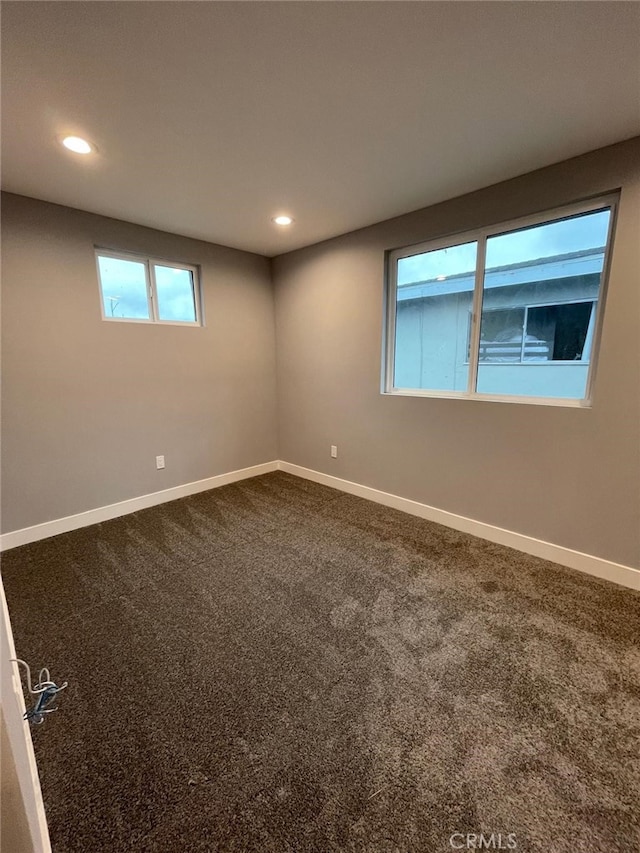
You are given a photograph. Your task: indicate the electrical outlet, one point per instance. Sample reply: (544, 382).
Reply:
(159, 462)
(334, 451)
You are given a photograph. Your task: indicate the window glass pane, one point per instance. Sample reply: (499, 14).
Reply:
(175, 294)
(541, 287)
(563, 328)
(502, 331)
(434, 296)
(124, 288)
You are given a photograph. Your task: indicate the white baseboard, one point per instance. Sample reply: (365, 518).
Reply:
(615, 572)
(624, 575)
(104, 513)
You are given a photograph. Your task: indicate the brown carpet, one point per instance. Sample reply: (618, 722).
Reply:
(277, 666)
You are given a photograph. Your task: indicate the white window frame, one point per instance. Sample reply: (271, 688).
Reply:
(481, 235)
(152, 292)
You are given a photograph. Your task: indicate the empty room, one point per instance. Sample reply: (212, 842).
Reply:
(320, 517)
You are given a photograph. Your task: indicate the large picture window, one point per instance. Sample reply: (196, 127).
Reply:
(507, 313)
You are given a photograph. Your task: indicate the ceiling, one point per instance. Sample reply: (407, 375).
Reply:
(212, 117)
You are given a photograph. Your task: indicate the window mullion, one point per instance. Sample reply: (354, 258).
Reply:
(152, 294)
(476, 315)
(525, 324)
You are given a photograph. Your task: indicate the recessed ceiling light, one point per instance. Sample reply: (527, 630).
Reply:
(77, 145)
(282, 220)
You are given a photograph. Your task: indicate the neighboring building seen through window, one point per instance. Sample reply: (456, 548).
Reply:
(536, 289)
(144, 290)
(537, 333)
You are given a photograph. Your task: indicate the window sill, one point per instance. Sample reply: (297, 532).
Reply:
(189, 323)
(557, 363)
(490, 398)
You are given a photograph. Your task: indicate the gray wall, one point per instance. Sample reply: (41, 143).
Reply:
(88, 404)
(568, 476)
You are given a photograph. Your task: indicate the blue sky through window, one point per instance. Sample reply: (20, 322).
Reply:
(124, 287)
(588, 231)
(175, 294)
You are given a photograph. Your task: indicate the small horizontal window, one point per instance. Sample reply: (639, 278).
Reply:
(145, 290)
(511, 312)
